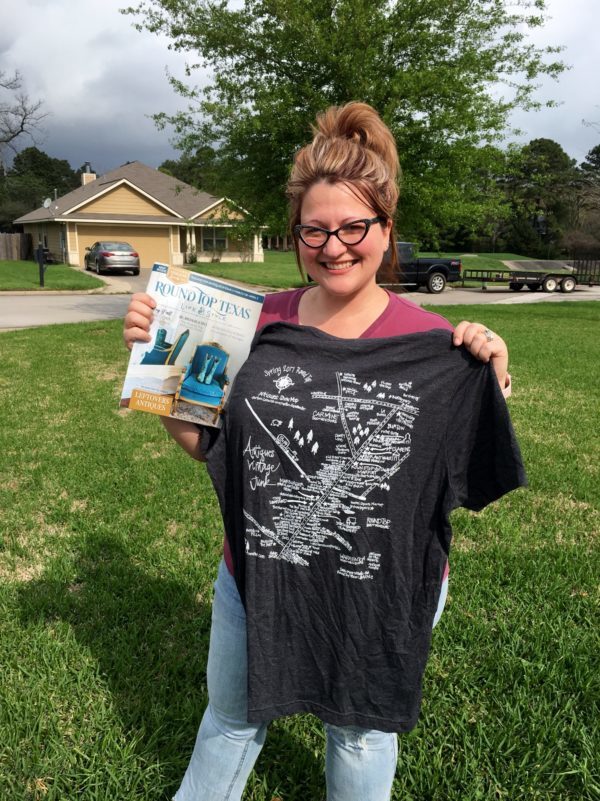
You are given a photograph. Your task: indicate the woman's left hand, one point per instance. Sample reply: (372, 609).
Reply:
(484, 345)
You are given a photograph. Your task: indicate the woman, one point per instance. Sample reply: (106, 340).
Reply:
(335, 564)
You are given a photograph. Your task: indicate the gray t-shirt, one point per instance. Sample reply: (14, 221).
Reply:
(336, 469)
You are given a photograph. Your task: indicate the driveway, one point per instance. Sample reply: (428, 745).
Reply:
(31, 309)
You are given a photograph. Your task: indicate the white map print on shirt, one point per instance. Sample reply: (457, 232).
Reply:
(371, 422)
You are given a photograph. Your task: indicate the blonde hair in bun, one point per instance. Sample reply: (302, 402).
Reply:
(352, 145)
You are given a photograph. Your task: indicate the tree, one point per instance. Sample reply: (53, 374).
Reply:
(544, 191)
(590, 171)
(590, 196)
(432, 68)
(53, 175)
(34, 175)
(196, 169)
(19, 116)
(486, 228)
(591, 164)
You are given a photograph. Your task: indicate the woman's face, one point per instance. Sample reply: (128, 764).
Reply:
(339, 269)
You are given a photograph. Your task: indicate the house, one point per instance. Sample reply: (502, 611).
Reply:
(163, 218)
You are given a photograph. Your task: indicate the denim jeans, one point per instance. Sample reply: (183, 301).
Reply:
(360, 763)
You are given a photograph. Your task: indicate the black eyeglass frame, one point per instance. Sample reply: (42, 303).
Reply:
(368, 223)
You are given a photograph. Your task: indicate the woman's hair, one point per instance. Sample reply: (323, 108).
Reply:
(351, 145)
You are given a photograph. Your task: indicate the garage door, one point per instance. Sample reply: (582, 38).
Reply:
(151, 243)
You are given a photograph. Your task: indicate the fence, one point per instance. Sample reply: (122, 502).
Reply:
(14, 247)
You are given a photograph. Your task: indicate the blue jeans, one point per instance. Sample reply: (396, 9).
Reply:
(360, 763)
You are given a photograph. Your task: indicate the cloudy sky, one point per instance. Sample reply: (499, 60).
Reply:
(100, 79)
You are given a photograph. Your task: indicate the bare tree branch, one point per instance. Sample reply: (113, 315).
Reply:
(19, 116)
(10, 83)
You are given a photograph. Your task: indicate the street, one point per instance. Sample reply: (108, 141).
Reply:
(30, 309)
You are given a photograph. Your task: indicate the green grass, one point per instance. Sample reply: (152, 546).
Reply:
(25, 275)
(278, 270)
(481, 261)
(110, 537)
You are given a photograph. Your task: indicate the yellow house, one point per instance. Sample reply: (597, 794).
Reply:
(163, 218)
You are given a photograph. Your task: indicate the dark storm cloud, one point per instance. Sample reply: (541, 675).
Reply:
(107, 146)
(113, 124)
(100, 81)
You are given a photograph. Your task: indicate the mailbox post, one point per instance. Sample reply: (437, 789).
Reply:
(41, 260)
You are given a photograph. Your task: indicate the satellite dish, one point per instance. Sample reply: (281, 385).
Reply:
(47, 203)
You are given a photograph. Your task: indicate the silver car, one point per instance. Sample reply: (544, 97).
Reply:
(112, 256)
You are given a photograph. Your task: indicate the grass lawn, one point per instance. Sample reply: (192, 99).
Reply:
(110, 538)
(278, 270)
(25, 275)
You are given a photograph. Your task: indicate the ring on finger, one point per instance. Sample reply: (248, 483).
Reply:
(489, 335)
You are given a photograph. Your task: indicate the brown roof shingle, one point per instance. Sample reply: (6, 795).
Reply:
(177, 196)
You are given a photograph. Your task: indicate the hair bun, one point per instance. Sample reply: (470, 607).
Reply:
(360, 123)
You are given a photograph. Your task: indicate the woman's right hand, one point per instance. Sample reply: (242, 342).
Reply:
(136, 325)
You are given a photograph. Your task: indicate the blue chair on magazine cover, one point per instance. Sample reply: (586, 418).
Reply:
(205, 378)
(165, 352)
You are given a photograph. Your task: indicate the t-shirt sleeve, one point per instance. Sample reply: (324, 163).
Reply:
(208, 439)
(482, 453)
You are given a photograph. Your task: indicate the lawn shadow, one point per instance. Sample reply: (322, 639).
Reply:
(147, 634)
(149, 637)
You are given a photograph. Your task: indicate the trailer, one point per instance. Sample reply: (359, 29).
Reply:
(547, 275)
(587, 271)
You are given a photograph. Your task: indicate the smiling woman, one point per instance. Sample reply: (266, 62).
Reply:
(343, 272)
(352, 431)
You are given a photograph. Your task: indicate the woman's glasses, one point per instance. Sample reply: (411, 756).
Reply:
(350, 234)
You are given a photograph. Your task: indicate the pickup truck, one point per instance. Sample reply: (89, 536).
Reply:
(432, 273)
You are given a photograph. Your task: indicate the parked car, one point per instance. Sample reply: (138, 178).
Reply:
(112, 257)
(432, 273)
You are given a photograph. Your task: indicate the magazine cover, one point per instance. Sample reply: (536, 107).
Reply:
(201, 335)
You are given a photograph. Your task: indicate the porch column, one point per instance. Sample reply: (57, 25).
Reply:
(257, 249)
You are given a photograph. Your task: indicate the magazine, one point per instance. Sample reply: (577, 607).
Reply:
(201, 335)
